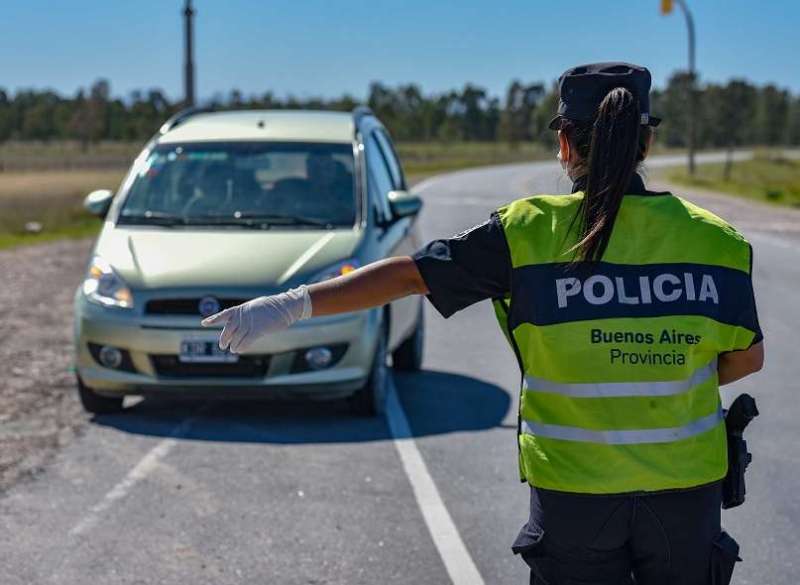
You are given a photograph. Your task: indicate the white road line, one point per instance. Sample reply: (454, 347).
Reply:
(457, 560)
(140, 471)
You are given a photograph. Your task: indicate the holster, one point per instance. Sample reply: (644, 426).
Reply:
(724, 556)
(737, 417)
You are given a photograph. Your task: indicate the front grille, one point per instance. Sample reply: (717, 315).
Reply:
(183, 306)
(169, 366)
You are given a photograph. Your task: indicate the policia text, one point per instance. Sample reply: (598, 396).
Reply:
(666, 288)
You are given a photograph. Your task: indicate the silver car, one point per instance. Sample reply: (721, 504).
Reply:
(221, 207)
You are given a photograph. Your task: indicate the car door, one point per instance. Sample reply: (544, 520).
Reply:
(405, 312)
(393, 237)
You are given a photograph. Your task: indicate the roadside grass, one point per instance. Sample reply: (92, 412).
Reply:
(52, 199)
(16, 156)
(768, 177)
(84, 227)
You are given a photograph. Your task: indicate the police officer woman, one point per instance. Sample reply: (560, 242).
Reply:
(626, 309)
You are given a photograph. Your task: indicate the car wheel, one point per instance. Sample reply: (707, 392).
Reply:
(371, 399)
(97, 404)
(408, 356)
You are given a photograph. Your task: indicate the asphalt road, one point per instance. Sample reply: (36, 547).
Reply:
(306, 494)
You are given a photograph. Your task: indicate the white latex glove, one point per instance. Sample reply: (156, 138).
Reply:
(245, 323)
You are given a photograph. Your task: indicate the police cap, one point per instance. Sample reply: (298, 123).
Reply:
(582, 88)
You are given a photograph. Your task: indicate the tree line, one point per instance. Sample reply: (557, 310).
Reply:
(733, 114)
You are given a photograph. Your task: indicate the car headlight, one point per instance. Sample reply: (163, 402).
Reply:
(338, 269)
(105, 287)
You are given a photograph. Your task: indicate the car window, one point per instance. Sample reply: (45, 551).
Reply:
(209, 182)
(379, 178)
(392, 161)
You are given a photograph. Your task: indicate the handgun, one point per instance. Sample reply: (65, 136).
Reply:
(737, 417)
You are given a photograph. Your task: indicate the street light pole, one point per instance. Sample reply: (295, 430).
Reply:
(692, 92)
(666, 8)
(692, 138)
(188, 72)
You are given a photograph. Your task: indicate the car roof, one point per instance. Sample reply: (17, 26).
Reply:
(267, 125)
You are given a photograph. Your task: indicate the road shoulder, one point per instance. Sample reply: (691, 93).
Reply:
(745, 214)
(39, 408)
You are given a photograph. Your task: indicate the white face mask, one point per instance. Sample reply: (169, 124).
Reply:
(562, 161)
(564, 164)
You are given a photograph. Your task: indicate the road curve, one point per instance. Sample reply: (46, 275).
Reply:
(306, 494)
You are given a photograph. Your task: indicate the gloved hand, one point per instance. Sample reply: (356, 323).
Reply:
(245, 323)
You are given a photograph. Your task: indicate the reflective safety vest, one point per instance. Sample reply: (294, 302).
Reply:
(619, 360)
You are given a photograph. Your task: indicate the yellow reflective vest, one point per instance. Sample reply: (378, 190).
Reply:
(619, 358)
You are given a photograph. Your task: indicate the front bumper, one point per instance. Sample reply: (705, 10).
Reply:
(153, 344)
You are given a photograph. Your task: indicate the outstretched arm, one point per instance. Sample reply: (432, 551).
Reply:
(371, 286)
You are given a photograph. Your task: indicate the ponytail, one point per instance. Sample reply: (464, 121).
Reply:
(616, 143)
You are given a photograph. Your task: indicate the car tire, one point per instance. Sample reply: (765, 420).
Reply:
(371, 399)
(97, 404)
(408, 356)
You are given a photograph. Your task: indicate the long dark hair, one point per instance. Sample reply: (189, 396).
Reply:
(611, 147)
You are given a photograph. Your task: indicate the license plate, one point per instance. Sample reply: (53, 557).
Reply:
(204, 351)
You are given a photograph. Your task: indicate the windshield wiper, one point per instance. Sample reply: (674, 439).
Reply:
(276, 218)
(153, 218)
(257, 220)
(227, 222)
(245, 220)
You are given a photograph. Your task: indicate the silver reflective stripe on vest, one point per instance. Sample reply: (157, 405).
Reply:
(609, 389)
(628, 437)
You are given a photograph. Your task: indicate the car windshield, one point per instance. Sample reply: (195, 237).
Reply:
(248, 184)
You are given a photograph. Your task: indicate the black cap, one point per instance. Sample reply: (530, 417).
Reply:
(582, 88)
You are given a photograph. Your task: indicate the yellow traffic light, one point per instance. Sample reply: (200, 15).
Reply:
(666, 6)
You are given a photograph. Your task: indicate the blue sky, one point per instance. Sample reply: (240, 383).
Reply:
(315, 47)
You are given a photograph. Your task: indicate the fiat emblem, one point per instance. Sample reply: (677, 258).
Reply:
(208, 306)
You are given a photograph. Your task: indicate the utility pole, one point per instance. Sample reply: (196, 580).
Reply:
(188, 71)
(666, 8)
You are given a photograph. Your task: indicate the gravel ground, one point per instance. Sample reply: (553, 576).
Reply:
(39, 408)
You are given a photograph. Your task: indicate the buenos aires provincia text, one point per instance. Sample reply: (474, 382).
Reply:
(644, 347)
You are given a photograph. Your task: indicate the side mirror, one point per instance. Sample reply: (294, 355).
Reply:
(98, 202)
(404, 203)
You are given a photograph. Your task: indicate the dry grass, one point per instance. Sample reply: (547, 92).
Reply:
(65, 155)
(56, 183)
(771, 177)
(51, 198)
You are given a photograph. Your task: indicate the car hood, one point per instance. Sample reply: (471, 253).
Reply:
(157, 258)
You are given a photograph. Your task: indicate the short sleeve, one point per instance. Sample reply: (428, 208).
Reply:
(466, 268)
(749, 317)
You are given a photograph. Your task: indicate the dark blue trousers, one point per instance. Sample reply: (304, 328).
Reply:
(665, 538)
